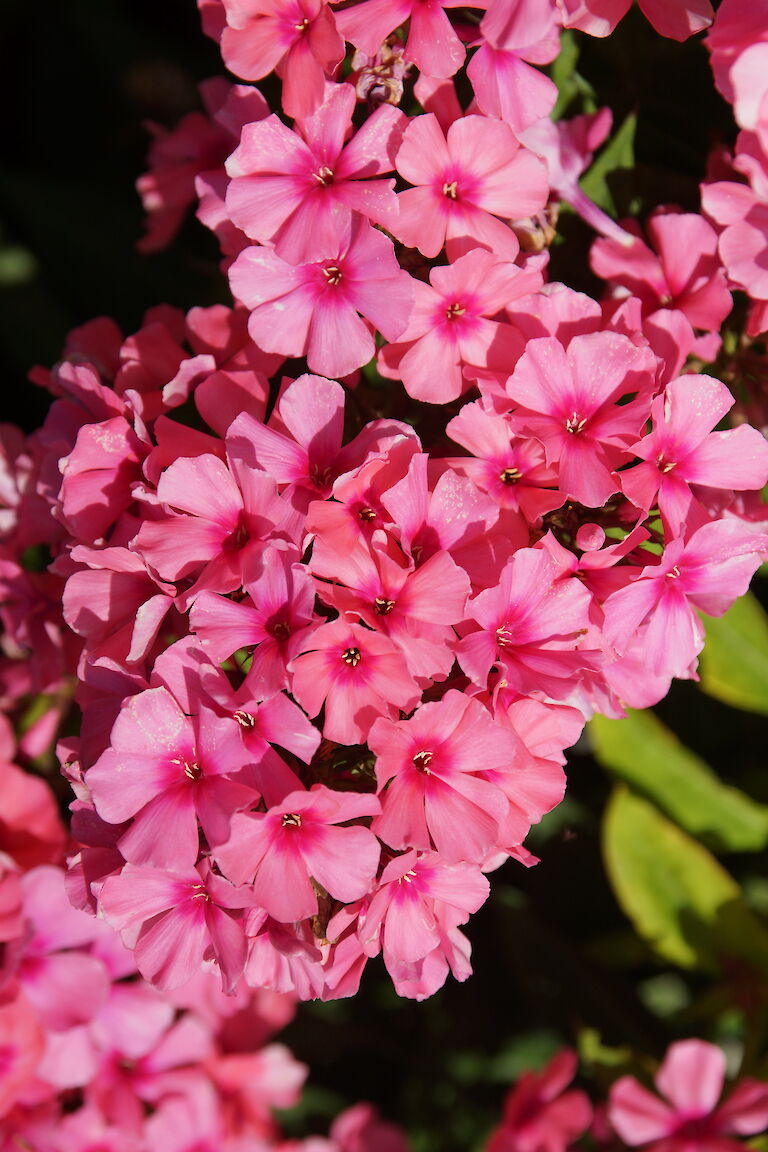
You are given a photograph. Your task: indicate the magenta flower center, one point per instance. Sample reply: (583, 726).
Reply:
(366, 514)
(510, 475)
(451, 190)
(504, 637)
(245, 719)
(291, 820)
(238, 537)
(324, 176)
(303, 25)
(663, 464)
(192, 770)
(674, 573)
(351, 656)
(383, 607)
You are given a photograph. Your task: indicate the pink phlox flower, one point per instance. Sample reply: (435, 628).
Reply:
(677, 19)
(98, 476)
(567, 147)
(284, 958)
(430, 771)
(432, 42)
(275, 620)
(220, 519)
(296, 38)
(555, 310)
(685, 276)
(301, 447)
(192, 1122)
(356, 510)
(682, 450)
(708, 571)
(449, 515)
(167, 771)
(54, 968)
(297, 842)
(688, 1118)
(531, 626)
(413, 606)
(451, 329)
(114, 603)
(539, 1115)
(31, 830)
(298, 189)
(569, 401)
(23, 1043)
(514, 38)
(359, 674)
(464, 181)
(174, 920)
(419, 894)
(737, 45)
(741, 211)
(198, 143)
(509, 468)
(361, 1129)
(249, 1084)
(316, 309)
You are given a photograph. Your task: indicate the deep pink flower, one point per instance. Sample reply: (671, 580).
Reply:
(312, 309)
(359, 674)
(568, 400)
(688, 1118)
(683, 450)
(465, 181)
(539, 1115)
(298, 189)
(430, 775)
(168, 770)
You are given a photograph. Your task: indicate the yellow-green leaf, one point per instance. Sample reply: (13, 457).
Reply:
(734, 663)
(678, 897)
(645, 754)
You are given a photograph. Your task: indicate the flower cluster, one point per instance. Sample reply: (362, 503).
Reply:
(327, 663)
(94, 1057)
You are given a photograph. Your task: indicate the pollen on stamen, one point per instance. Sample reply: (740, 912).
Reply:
(245, 719)
(332, 274)
(383, 607)
(291, 820)
(453, 311)
(199, 893)
(408, 877)
(575, 424)
(421, 760)
(665, 465)
(302, 27)
(351, 656)
(503, 637)
(510, 475)
(324, 176)
(451, 190)
(192, 770)
(673, 573)
(366, 515)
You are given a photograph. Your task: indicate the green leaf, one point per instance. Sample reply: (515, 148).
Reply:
(570, 84)
(734, 663)
(617, 155)
(642, 752)
(678, 897)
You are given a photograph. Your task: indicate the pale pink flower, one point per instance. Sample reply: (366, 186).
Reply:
(688, 1118)
(313, 310)
(464, 181)
(296, 38)
(298, 189)
(677, 19)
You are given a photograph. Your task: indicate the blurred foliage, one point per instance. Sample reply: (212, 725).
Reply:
(734, 664)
